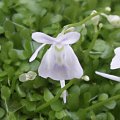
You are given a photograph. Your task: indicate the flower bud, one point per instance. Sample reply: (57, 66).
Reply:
(108, 9)
(86, 78)
(95, 20)
(100, 25)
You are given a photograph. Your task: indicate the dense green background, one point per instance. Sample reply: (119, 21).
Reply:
(18, 19)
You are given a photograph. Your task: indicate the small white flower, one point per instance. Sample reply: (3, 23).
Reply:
(59, 62)
(95, 20)
(114, 20)
(115, 64)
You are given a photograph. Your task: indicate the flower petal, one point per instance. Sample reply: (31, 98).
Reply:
(36, 53)
(60, 65)
(68, 38)
(112, 77)
(64, 94)
(115, 64)
(117, 51)
(42, 38)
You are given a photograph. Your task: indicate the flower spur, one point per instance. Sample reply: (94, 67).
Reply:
(115, 64)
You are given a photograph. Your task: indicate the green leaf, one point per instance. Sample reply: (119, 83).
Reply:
(30, 106)
(11, 116)
(75, 89)
(73, 101)
(20, 91)
(2, 112)
(34, 65)
(60, 115)
(103, 97)
(82, 114)
(56, 18)
(101, 116)
(9, 26)
(100, 45)
(24, 67)
(34, 97)
(57, 105)
(1, 30)
(110, 116)
(47, 95)
(111, 104)
(5, 92)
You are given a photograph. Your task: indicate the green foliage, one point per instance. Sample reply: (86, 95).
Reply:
(20, 97)
(2, 112)
(5, 93)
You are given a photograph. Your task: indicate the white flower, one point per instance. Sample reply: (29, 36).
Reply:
(59, 62)
(114, 20)
(115, 64)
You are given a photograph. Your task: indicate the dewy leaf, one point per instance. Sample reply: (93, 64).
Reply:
(5, 93)
(47, 95)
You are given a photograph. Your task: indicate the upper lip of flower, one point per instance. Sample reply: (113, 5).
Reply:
(61, 39)
(68, 38)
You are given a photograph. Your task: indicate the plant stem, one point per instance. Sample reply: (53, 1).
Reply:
(6, 106)
(93, 41)
(81, 22)
(56, 97)
(102, 103)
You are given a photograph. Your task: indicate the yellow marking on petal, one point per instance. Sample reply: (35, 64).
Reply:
(59, 49)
